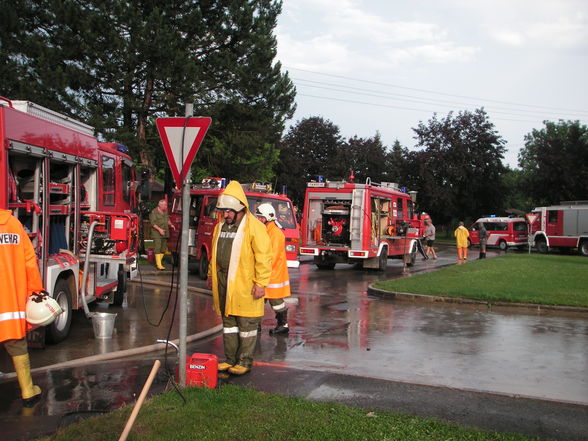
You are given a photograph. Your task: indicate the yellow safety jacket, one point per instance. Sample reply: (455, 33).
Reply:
(250, 263)
(279, 284)
(20, 277)
(461, 235)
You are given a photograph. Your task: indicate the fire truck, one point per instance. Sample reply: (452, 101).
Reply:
(346, 222)
(75, 196)
(562, 226)
(204, 217)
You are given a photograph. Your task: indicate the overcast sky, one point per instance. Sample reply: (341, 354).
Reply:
(384, 65)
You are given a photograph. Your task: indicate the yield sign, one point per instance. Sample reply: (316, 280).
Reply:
(181, 139)
(531, 217)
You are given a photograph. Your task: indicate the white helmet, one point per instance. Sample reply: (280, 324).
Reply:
(42, 309)
(266, 210)
(228, 202)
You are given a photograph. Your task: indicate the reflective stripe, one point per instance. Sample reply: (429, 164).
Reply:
(248, 334)
(232, 330)
(279, 285)
(279, 307)
(12, 316)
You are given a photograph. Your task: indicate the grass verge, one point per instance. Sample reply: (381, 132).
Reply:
(535, 278)
(235, 413)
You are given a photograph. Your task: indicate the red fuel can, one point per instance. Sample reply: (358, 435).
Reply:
(201, 370)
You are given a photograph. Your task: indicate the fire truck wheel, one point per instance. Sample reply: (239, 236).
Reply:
(325, 266)
(203, 266)
(583, 248)
(502, 245)
(121, 288)
(541, 245)
(59, 329)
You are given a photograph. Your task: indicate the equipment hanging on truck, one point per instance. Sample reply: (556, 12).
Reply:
(75, 196)
(367, 223)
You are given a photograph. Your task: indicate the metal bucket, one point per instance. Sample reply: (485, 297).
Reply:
(103, 323)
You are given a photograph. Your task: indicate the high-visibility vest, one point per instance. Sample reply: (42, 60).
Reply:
(279, 284)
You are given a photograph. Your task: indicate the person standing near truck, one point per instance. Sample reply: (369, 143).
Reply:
(239, 271)
(461, 238)
(160, 225)
(430, 238)
(20, 279)
(279, 284)
(483, 235)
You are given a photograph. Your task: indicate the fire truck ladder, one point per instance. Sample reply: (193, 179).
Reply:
(356, 216)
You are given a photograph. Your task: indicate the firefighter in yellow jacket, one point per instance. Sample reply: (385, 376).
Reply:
(20, 278)
(279, 284)
(239, 270)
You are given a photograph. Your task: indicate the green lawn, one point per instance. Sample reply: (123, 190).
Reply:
(535, 278)
(234, 413)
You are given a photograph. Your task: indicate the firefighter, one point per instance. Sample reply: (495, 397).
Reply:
(20, 278)
(160, 225)
(279, 284)
(239, 270)
(461, 237)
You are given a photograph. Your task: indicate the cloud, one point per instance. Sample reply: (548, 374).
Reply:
(343, 35)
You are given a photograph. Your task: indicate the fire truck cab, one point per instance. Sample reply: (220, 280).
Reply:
(204, 217)
(367, 223)
(74, 196)
(561, 226)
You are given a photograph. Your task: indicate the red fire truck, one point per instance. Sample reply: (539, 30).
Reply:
(74, 195)
(561, 226)
(203, 218)
(367, 223)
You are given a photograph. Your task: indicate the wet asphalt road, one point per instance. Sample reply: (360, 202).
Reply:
(337, 329)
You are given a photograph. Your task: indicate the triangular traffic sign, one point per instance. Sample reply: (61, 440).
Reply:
(181, 139)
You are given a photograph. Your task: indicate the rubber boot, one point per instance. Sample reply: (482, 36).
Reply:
(482, 255)
(158, 264)
(282, 327)
(30, 393)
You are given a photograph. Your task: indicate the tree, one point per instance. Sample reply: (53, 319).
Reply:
(459, 167)
(555, 162)
(117, 64)
(367, 158)
(309, 149)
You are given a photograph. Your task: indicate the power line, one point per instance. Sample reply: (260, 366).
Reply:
(397, 107)
(411, 98)
(435, 92)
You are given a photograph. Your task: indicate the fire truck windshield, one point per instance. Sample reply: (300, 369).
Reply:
(284, 211)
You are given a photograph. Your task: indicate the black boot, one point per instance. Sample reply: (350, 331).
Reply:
(282, 327)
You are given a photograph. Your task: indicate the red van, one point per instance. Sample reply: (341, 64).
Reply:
(503, 232)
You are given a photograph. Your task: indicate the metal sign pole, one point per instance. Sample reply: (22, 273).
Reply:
(183, 290)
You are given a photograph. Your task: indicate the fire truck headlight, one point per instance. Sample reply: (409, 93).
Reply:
(290, 248)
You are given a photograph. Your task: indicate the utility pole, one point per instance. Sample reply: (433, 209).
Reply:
(183, 290)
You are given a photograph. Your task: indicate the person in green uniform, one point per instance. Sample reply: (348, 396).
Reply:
(239, 270)
(160, 225)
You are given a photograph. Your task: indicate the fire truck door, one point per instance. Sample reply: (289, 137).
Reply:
(356, 221)
(207, 221)
(554, 223)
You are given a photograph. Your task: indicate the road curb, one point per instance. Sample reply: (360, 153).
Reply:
(459, 300)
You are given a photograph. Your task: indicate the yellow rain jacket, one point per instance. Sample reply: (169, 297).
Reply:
(251, 262)
(461, 236)
(279, 285)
